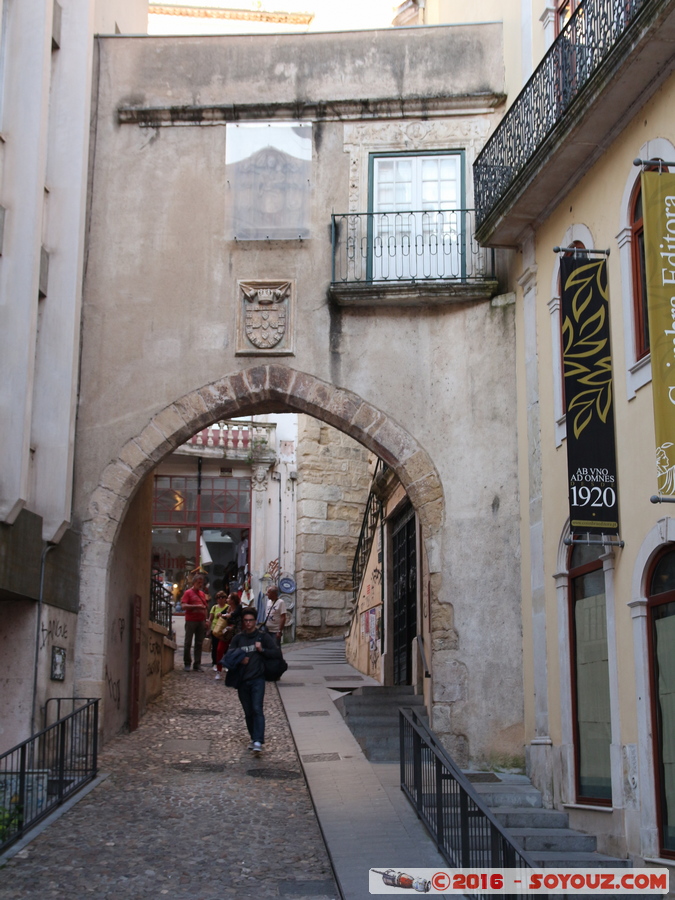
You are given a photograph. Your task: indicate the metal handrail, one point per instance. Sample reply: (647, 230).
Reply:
(161, 607)
(420, 647)
(43, 771)
(585, 42)
(371, 515)
(408, 246)
(465, 831)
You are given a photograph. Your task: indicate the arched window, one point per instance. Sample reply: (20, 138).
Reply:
(590, 675)
(661, 601)
(639, 273)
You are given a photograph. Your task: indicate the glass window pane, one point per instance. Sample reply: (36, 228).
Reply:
(430, 192)
(592, 682)
(663, 578)
(384, 170)
(268, 168)
(385, 195)
(664, 650)
(404, 194)
(403, 169)
(429, 169)
(585, 553)
(449, 168)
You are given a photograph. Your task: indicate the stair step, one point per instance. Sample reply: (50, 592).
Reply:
(383, 690)
(510, 795)
(559, 840)
(530, 817)
(555, 859)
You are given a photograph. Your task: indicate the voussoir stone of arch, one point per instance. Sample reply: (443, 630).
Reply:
(257, 379)
(153, 443)
(104, 502)
(172, 425)
(396, 441)
(418, 466)
(219, 398)
(280, 381)
(425, 490)
(119, 478)
(194, 410)
(367, 419)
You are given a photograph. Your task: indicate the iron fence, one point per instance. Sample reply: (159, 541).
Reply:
(39, 774)
(411, 246)
(466, 833)
(574, 57)
(161, 606)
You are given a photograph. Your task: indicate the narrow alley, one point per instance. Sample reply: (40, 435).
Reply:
(185, 812)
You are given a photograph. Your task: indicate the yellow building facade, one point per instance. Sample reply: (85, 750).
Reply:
(596, 613)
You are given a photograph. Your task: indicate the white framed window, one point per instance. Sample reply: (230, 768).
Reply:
(416, 218)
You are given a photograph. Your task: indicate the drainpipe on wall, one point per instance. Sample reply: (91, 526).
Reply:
(48, 546)
(276, 476)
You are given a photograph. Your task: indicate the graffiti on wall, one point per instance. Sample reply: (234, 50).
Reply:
(54, 629)
(154, 657)
(113, 688)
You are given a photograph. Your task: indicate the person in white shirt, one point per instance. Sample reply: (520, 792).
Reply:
(275, 613)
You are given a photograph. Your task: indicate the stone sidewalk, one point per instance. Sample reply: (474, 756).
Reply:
(185, 813)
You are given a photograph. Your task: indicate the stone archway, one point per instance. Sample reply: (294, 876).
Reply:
(265, 388)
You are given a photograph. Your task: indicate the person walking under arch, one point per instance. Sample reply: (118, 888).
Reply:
(248, 675)
(195, 604)
(275, 613)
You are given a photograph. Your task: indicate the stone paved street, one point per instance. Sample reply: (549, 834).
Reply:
(186, 813)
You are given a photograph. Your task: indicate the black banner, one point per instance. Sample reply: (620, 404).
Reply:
(587, 360)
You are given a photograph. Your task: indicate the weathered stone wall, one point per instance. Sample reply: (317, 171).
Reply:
(333, 486)
(429, 388)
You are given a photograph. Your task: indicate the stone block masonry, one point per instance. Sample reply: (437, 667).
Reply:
(333, 486)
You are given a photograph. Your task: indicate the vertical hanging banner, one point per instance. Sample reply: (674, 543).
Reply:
(658, 204)
(587, 359)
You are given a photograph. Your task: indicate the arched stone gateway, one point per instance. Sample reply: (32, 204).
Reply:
(265, 388)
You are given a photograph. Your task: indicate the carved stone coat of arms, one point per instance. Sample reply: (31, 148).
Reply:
(264, 314)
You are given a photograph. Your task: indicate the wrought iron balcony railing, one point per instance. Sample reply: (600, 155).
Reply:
(575, 56)
(411, 246)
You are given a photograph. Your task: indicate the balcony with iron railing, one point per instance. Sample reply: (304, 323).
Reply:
(405, 257)
(607, 61)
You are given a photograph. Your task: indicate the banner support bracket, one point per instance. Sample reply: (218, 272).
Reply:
(601, 541)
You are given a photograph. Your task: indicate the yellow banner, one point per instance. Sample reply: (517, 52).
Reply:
(658, 204)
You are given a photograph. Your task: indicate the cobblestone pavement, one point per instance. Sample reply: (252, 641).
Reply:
(186, 812)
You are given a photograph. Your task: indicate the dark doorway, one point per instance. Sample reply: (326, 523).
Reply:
(404, 558)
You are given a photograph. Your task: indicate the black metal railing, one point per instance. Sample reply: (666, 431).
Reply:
(466, 833)
(161, 607)
(412, 246)
(41, 773)
(575, 56)
(371, 516)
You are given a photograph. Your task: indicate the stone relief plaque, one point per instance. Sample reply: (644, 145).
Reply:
(265, 318)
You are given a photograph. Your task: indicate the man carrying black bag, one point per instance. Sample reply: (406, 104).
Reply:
(247, 674)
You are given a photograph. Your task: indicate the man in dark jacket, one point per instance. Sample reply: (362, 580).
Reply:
(251, 683)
